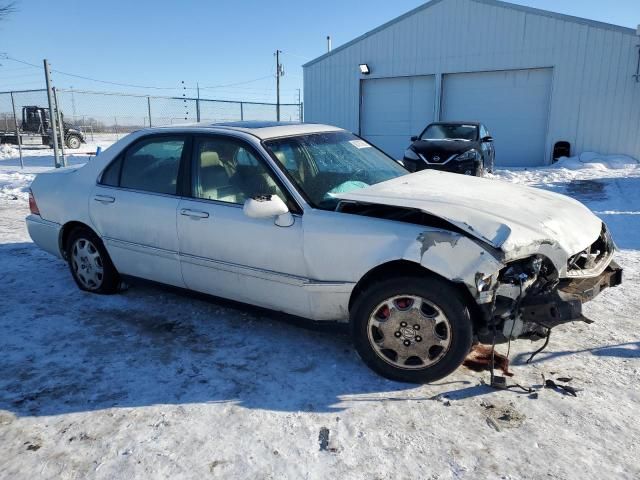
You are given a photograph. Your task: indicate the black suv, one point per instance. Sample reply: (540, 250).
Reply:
(458, 147)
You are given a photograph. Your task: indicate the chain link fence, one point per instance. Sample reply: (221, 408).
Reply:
(116, 114)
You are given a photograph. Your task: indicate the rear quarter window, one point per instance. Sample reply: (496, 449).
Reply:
(150, 165)
(111, 175)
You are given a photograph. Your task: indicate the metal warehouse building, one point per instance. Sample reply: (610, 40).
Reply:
(533, 77)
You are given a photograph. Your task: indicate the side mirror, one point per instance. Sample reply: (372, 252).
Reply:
(414, 138)
(487, 139)
(268, 206)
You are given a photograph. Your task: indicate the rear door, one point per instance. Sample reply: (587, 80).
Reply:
(225, 253)
(134, 207)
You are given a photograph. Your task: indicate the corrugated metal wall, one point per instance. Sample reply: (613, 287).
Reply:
(595, 101)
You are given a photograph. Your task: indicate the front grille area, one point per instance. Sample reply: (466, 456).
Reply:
(594, 258)
(436, 159)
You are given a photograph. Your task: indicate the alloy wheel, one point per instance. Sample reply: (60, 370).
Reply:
(409, 332)
(87, 264)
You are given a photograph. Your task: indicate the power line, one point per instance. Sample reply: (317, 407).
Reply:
(239, 83)
(3, 77)
(82, 77)
(302, 57)
(130, 85)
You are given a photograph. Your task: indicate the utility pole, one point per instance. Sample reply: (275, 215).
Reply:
(198, 102)
(60, 125)
(52, 115)
(149, 110)
(73, 104)
(18, 133)
(279, 73)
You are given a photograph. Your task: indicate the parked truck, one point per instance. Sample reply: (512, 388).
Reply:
(34, 129)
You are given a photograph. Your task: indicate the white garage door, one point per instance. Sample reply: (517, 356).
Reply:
(514, 105)
(394, 109)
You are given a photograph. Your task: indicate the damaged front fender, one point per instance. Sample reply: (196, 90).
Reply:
(458, 258)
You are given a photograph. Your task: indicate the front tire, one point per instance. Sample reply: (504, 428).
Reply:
(73, 142)
(90, 264)
(411, 329)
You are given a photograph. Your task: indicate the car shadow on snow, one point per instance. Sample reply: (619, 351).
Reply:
(615, 200)
(620, 350)
(69, 351)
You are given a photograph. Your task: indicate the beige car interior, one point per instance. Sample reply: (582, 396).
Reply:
(227, 172)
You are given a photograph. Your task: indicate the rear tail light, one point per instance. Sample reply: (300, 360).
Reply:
(33, 206)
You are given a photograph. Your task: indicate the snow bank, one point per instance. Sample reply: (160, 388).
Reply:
(15, 185)
(8, 151)
(596, 161)
(586, 166)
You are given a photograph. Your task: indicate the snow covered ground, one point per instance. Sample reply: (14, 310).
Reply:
(152, 383)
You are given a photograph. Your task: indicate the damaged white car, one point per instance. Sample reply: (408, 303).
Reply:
(313, 221)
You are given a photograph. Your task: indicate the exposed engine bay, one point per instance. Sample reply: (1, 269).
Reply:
(530, 298)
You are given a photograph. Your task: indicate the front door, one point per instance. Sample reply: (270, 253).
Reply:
(134, 207)
(225, 253)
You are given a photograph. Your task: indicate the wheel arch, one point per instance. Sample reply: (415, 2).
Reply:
(66, 230)
(396, 268)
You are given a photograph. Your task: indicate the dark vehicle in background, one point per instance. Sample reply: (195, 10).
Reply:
(35, 130)
(458, 147)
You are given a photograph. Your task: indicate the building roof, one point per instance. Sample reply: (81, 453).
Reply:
(495, 3)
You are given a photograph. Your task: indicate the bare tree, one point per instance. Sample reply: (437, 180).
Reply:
(6, 9)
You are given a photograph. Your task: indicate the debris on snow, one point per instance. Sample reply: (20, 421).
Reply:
(323, 438)
(565, 389)
(479, 360)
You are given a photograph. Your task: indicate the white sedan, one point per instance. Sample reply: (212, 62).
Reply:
(313, 221)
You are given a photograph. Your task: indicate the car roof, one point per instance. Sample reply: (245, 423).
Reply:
(261, 129)
(475, 124)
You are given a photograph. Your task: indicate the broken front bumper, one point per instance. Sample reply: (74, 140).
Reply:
(537, 314)
(564, 304)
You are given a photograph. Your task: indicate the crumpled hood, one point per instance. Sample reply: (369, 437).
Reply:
(514, 218)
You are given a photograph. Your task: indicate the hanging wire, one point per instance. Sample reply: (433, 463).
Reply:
(131, 85)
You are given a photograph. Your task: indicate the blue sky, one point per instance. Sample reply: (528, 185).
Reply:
(221, 42)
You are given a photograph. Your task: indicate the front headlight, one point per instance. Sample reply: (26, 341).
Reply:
(483, 282)
(410, 154)
(469, 155)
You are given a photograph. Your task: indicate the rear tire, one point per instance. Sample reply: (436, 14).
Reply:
(73, 142)
(90, 264)
(383, 328)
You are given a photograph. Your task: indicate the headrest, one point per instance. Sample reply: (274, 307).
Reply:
(210, 159)
(281, 158)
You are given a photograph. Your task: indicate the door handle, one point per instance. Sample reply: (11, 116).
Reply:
(104, 199)
(193, 213)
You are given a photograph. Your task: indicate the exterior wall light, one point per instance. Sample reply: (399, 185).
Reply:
(364, 69)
